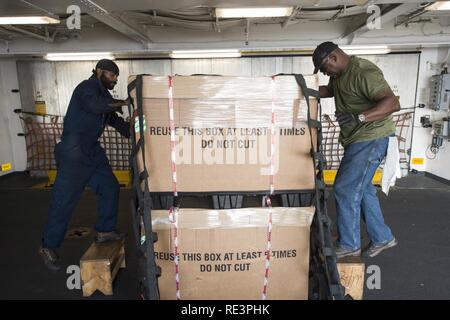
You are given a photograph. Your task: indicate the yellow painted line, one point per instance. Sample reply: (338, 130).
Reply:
(377, 177)
(418, 160)
(51, 174)
(51, 177)
(330, 175)
(6, 166)
(41, 185)
(123, 176)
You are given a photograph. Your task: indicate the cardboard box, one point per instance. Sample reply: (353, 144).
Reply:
(222, 253)
(351, 272)
(223, 133)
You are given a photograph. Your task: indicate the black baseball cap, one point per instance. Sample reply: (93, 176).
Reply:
(106, 64)
(321, 52)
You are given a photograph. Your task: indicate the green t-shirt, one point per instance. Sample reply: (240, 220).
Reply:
(353, 92)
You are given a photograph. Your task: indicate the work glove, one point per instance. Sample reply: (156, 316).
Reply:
(124, 103)
(119, 110)
(120, 104)
(344, 118)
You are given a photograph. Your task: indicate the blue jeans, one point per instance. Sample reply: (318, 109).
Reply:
(355, 194)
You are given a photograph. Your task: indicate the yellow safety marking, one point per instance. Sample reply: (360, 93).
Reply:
(123, 177)
(330, 175)
(6, 166)
(418, 160)
(41, 185)
(51, 177)
(39, 108)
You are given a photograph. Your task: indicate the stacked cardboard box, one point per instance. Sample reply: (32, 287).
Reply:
(224, 144)
(223, 133)
(222, 253)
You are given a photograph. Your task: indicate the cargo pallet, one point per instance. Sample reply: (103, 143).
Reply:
(324, 283)
(224, 200)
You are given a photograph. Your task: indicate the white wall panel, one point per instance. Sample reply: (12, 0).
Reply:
(153, 67)
(435, 164)
(120, 90)
(12, 147)
(56, 80)
(270, 66)
(232, 67)
(68, 76)
(191, 66)
(6, 154)
(400, 71)
(39, 76)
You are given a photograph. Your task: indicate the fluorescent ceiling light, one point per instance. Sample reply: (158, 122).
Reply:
(355, 50)
(29, 20)
(79, 56)
(191, 54)
(253, 12)
(439, 5)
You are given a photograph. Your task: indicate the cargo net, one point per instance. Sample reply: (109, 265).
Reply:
(333, 150)
(42, 132)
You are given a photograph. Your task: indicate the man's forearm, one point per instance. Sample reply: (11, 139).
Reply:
(325, 92)
(382, 109)
(117, 103)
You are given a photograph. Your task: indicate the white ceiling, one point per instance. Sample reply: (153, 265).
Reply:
(59, 6)
(156, 26)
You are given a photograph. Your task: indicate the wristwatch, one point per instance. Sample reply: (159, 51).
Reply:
(362, 117)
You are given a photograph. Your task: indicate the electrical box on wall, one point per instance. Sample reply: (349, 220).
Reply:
(440, 92)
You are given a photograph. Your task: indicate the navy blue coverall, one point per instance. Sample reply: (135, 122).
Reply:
(81, 161)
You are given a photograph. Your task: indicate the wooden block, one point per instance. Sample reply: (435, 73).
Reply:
(100, 265)
(352, 271)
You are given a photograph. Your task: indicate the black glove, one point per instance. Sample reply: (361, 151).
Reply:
(119, 110)
(344, 118)
(124, 103)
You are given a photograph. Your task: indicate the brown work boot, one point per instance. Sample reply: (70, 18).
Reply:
(109, 236)
(50, 258)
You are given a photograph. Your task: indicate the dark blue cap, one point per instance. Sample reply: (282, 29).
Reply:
(106, 64)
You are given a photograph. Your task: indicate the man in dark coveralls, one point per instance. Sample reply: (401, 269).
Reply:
(81, 161)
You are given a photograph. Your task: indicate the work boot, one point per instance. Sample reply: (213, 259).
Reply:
(374, 250)
(341, 252)
(109, 236)
(50, 257)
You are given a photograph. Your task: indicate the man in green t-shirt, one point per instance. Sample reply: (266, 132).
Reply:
(364, 104)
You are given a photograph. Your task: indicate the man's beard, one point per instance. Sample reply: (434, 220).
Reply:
(108, 84)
